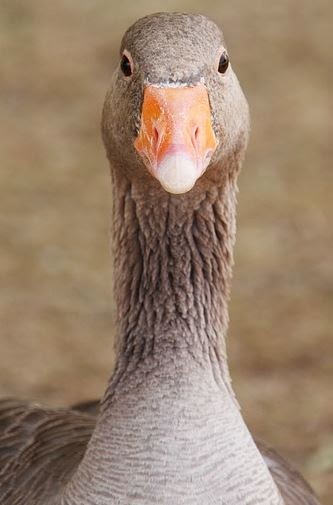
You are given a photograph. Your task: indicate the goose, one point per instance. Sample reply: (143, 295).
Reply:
(169, 429)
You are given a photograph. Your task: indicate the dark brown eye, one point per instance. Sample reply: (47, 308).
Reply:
(126, 66)
(223, 63)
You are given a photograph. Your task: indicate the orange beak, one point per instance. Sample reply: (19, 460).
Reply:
(176, 138)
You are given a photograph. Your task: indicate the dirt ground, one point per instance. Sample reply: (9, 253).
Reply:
(56, 304)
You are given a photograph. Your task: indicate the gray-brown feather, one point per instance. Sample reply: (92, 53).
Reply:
(293, 488)
(40, 450)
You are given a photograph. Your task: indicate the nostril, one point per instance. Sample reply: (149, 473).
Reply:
(195, 137)
(156, 137)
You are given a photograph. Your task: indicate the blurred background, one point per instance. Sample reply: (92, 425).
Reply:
(56, 306)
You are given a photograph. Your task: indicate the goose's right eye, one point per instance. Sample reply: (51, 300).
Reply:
(126, 66)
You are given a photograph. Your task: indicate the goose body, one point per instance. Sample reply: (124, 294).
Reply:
(169, 430)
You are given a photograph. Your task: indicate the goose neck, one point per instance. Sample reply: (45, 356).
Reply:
(172, 269)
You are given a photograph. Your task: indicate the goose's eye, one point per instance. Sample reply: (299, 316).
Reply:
(223, 63)
(126, 66)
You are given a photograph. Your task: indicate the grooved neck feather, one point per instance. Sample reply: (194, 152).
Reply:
(173, 258)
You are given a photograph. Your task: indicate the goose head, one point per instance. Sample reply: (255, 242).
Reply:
(175, 112)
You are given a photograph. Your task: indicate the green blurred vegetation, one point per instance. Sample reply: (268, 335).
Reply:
(55, 268)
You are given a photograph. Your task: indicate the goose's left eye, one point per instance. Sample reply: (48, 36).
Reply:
(223, 63)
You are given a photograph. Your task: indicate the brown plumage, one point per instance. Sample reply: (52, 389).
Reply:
(54, 442)
(169, 430)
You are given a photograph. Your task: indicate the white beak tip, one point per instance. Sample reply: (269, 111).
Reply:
(177, 173)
